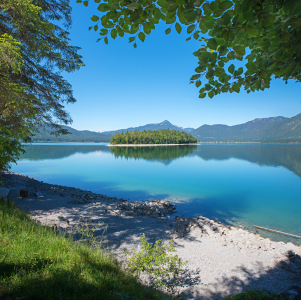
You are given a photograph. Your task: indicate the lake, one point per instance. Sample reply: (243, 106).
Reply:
(240, 184)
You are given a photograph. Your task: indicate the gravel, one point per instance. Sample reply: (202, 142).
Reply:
(222, 260)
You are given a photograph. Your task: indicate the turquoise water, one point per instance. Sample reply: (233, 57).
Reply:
(247, 184)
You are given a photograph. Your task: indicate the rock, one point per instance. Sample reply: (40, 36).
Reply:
(292, 293)
(179, 234)
(14, 193)
(4, 192)
(298, 262)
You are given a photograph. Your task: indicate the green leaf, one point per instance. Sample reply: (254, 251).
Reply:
(120, 31)
(198, 83)
(167, 31)
(191, 16)
(236, 87)
(131, 39)
(95, 18)
(86, 3)
(190, 28)
(178, 28)
(79, 1)
(211, 94)
(103, 31)
(162, 3)
(135, 45)
(206, 8)
(231, 69)
(209, 74)
(289, 6)
(239, 71)
(106, 40)
(225, 5)
(133, 6)
(157, 13)
(285, 37)
(221, 64)
(114, 33)
(103, 7)
(196, 76)
(268, 20)
(202, 95)
(240, 50)
(146, 28)
(210, 24)
(252, 30)
(141, 36)
(226, 18)
(213, 6)
(212, 44)
(196, 36)
(96, 27)
(90, 27)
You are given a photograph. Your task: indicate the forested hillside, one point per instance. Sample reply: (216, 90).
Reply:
(278, 129)
(74, 136)
(275, 130)
(163, 136)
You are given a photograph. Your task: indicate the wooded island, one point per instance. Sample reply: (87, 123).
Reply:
(163, 136)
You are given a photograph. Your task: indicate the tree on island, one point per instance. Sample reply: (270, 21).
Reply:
(265, 34)
(34, 50)
(163, 136)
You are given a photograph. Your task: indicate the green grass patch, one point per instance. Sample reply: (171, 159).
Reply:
(39, 263)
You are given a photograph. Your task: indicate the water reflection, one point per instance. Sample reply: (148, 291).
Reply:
(288, 156)
(214, 180)
(164, 154)
(42, 152)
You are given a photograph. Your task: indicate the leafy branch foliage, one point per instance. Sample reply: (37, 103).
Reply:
(155, 261)
(33, 52)
(163, 136)
(267, 30)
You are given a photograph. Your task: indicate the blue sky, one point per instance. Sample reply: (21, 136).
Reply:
(124, 87)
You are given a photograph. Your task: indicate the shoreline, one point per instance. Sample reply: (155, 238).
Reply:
(222, 259)
(148, 145)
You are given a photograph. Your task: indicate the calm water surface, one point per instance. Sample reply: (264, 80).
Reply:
(243, 184)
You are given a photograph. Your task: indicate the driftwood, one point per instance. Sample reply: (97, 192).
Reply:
(276, 231)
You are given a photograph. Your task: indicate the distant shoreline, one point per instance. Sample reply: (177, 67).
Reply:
(147, 145)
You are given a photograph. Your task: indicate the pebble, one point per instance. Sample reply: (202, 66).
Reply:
(214, 248)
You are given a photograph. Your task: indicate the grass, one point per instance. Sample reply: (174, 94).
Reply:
(39, 263)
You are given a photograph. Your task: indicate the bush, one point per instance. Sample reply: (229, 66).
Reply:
(156, 261)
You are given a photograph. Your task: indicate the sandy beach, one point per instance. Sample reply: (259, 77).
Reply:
(222, 260)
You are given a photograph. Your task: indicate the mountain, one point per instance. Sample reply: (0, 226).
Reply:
(289, 129)
(153, 126)
(75, 136)
(267, 129)
(276, 129)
